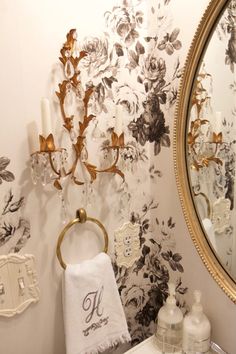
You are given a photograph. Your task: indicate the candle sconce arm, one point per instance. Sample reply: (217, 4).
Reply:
(72, 84)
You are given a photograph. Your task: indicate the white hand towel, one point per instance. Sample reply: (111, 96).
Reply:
(94, 318)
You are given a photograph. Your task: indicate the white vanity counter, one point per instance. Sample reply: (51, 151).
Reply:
(147, 346)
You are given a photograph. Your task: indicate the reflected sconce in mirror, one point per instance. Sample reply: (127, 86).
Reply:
(50, 164)
(202, 141)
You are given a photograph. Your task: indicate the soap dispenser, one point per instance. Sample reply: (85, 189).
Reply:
(196, 329)
(169, 325)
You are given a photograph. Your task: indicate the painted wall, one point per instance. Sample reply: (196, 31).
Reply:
(145, 69)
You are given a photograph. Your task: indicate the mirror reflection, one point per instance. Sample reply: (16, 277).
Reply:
(211, 140)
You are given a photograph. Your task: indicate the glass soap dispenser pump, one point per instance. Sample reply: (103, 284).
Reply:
(169, 325)
(196, 329)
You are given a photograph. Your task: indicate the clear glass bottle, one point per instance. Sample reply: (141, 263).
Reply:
(196, 329)
(169, 325)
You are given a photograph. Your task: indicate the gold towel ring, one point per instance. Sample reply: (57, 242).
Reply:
(209, 211)
(81, 217)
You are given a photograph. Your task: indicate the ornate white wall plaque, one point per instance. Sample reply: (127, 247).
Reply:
(221, 214)
(127, 244)
(18, 283)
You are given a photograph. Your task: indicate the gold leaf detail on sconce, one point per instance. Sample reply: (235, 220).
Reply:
(199, 160)
(57, 185)
(195, 166)
(68, 123)
(69, 54)
(62, 91)
(69, 45)
(91, 170)
(192, 138)
(217, 138)
(117, 140)
(216, 160)
(76, 181)
(197, 123)
(116, 170)
(79, 145)
(46, 144)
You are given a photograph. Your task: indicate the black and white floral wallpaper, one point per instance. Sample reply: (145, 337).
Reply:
(227, 33)
(128, 66)
(144, 287)
(14, 228)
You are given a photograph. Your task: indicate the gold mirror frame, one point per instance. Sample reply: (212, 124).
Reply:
(195, 53)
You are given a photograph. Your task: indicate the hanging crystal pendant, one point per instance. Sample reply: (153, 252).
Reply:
(55, 161)
(44, 177)
(73, 136)
(90, 197)
(33, 171)
(43, 167)
(84, 155)
(63, 161)
(69, 70)
(80, 92)
(67, 53)
(96, 133)
(63, 208)
(50, 172)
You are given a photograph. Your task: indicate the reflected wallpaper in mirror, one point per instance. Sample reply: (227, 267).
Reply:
(211, 140)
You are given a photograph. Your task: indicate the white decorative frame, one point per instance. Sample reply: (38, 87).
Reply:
(18, 283)
(127, 244)
(221, 214)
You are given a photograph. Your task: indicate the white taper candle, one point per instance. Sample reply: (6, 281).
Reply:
(46, 117)
(119, 120)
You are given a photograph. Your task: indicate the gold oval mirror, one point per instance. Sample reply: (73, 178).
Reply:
(205, 142)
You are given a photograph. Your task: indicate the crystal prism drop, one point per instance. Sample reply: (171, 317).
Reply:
(67, 53)
(69, 70)
(33, 174)
(43, 164)
(73, 136)
(44, 177)
(63, 214)
(63, 208)
(84, 154)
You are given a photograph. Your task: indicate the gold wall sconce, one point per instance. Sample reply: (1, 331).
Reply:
(202, 149)
(50, 163)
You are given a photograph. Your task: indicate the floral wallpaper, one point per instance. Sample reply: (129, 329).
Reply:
(125, 62)
(226, 31)
(144, 287)
(128, 67)
(14, 229)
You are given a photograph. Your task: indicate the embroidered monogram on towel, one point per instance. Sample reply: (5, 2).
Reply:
(93, 303)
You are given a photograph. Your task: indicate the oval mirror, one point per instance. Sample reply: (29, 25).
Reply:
(205, 142)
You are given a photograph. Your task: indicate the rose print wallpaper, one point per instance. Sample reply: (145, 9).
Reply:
(14, 228)
(135, 56)
(128, 67)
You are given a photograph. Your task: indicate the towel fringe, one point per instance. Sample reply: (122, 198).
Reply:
(111, 342)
